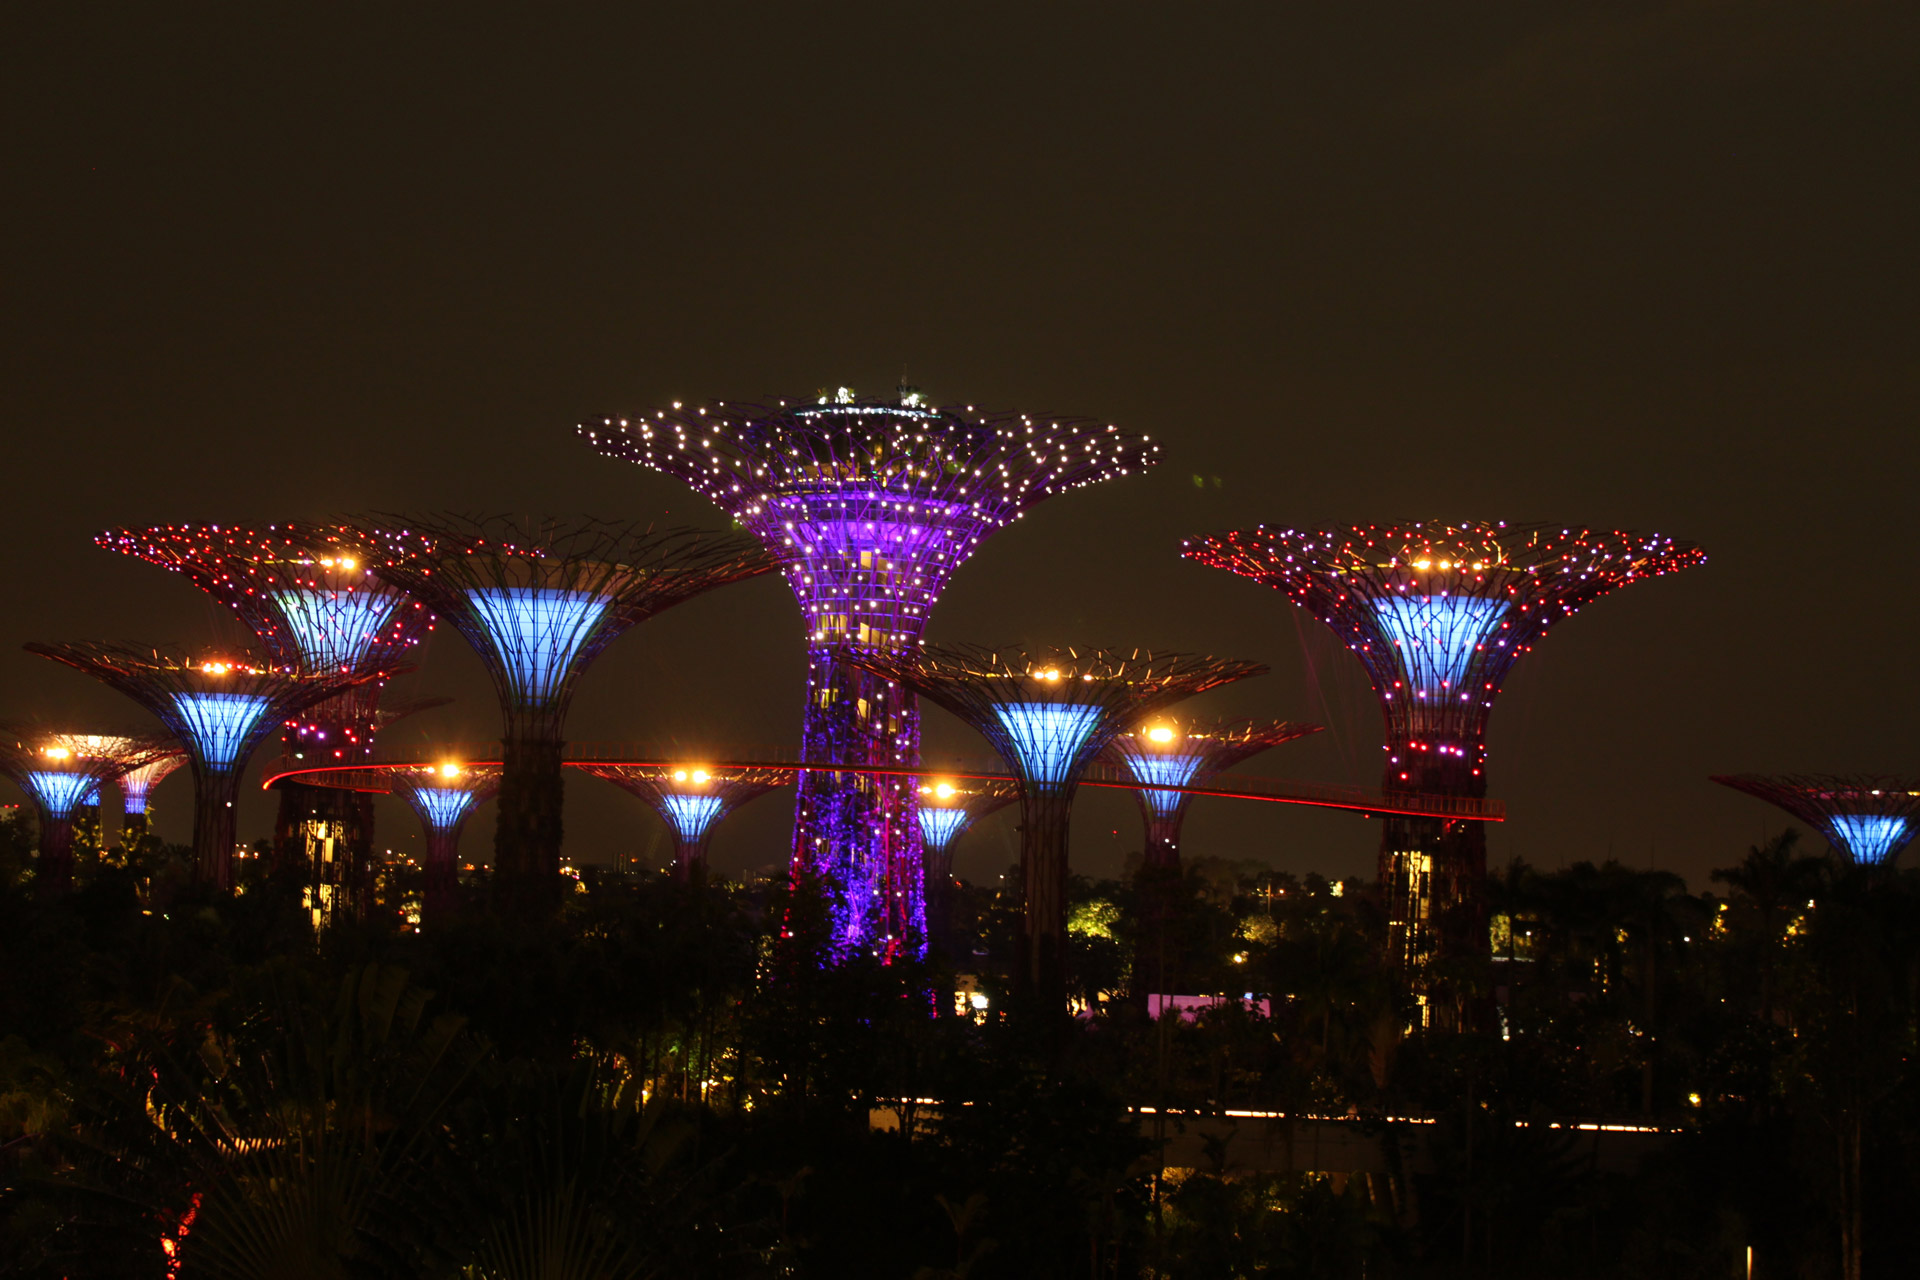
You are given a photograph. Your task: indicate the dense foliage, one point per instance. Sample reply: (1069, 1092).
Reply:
(666, 1080)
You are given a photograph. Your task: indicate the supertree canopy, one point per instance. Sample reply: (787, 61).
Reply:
(61, 773)
(1438, 613)
(538, 602)
(947, 809)
(1866, 817)
(1169, 753)
(218, 707)
(871, 505)
(1048, 713)
(443, 796)
(692, 800)
(313, 604)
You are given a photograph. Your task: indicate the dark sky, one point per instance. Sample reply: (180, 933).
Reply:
(1642, 265)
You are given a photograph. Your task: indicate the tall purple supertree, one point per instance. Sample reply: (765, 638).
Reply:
(313, 605)
(1439, 613)
(219, 707)
(1867, 818)
(1170, 753)
(692, 800)
(61, 773)
(871, 505)
(947, 809)
(538, 602)
(1048, 713)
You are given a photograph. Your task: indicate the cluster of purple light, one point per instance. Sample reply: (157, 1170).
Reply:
(872, 506)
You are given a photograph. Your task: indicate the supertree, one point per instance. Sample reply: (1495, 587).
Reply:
(1866, 817)
(538, 602)
(313, 605)
(61, 773)
(1048, 713)
(136, 784)
(218, 707)
(1169, 754)
(1438, 614)
(947, 809)
(443, 796)
(692, 800)
(871, 505)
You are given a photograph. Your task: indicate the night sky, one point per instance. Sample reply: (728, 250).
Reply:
(1639, 265)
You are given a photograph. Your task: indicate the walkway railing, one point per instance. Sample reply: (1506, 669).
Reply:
(1319, 795)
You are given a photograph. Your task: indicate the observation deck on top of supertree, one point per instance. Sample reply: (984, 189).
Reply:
(1438, 614)
(538, 602)
(692, 800)
(1048, 713)
(1867, 818)
(872, 505)
(1169, 753)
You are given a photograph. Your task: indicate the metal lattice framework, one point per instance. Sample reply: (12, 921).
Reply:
(538, 602)
(871, 506)
(1172, 753)
(692, 800)
(218, 707)
(1438, 614)
(61, 773)
(1048, 713)
(1867, 818)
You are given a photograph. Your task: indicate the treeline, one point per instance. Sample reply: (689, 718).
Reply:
(669, 1080)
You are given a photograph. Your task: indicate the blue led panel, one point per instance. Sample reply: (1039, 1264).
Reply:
(1438, 635)
(334, 629)
(219, 724)
(940, 826)
(1869, 838)
(1049, 737)
(59, 792)
(1152, 769)
(690, 815)
(441, 807)
(537, 633)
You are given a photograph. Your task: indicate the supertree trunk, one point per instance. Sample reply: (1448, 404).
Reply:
(215, 796)
(441, 895)
(860, 831)
(133, 829)
(53, 874)
(1042, 958)
(530, 825)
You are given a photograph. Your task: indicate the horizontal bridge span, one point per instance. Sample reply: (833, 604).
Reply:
(1317, 795)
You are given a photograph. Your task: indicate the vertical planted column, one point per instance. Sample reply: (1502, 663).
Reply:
(538, 602)
(136, 789)
(871, 505)
(443, 797)
(692, 800)
(219, 708)
(1048, 714)
(1439, 614)
(61, 778)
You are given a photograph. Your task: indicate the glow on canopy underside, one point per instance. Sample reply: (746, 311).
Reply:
(136, 783)
(537, 633)
(219, 724)
(1869, 838)
(690, 815)
(1438, 636)
(60, 793)
(940, 826)
(335, 629)
(1049, 737)
(441, 807)
(1152, 769)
